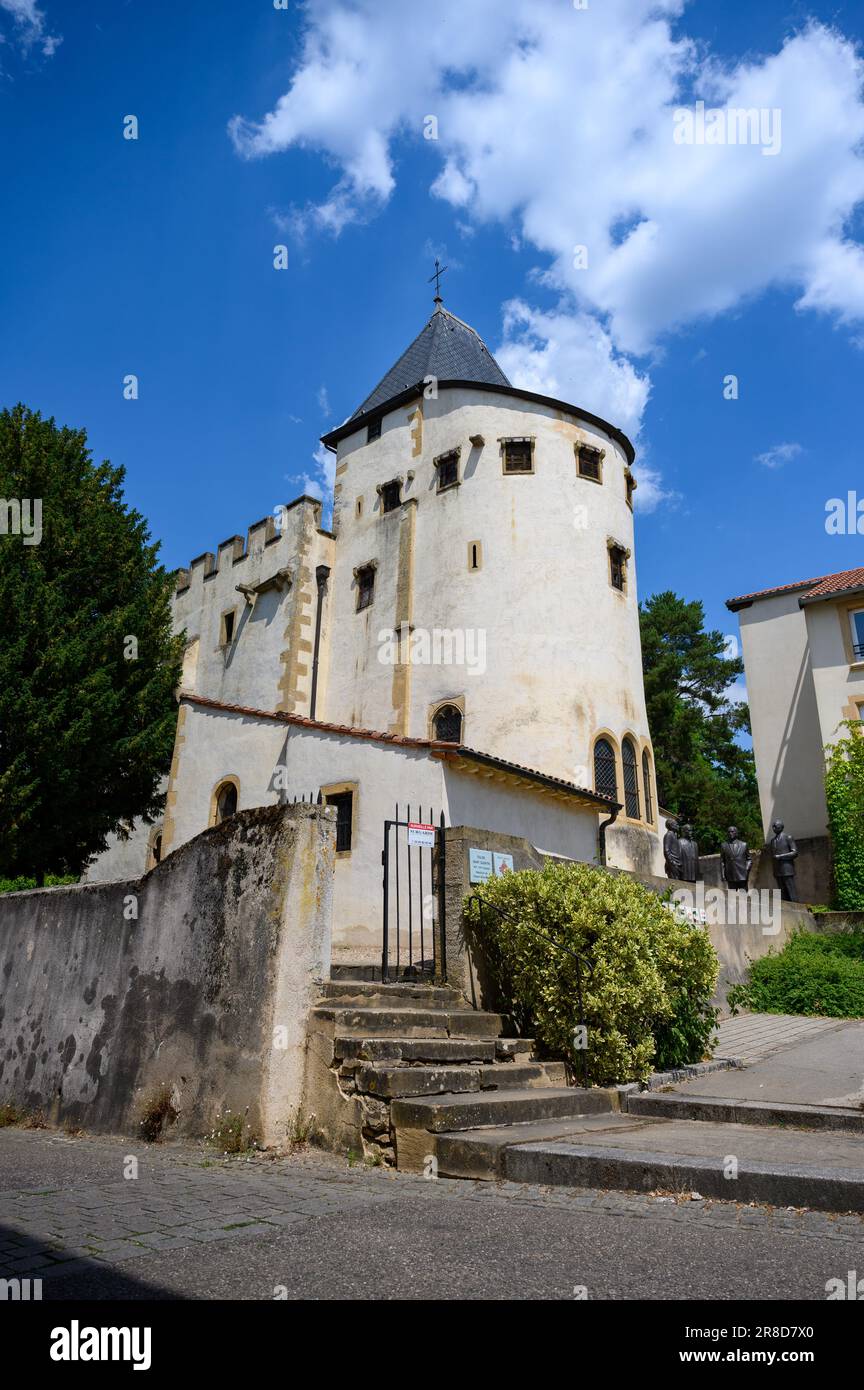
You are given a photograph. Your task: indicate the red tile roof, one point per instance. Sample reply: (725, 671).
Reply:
(435, 747)
(824, 586)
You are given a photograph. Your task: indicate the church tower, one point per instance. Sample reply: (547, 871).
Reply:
(484, 584)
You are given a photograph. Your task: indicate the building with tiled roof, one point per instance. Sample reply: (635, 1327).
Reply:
(462, 641)
(803, 649)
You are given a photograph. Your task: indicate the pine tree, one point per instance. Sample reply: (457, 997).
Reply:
(703, 773)
(88, 662)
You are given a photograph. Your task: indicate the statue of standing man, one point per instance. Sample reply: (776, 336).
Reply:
(689, 851)
(735, 860)
(671, 850)
(784, 852)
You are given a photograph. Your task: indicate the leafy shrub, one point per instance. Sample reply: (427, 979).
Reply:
(844, 793)
(813, 974)
(647, 978)
(21, 884)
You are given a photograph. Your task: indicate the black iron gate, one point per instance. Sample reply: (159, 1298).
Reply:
(413, 927)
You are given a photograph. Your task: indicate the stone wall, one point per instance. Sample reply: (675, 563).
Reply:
(194, 981)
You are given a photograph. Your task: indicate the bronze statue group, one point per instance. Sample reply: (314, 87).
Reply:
(681, 855)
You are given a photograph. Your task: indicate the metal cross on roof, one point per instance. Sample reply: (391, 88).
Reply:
(439, 271)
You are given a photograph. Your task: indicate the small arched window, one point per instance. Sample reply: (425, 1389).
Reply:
(631, 779)
(646, 787)
(226, 802)
(447, 724)
(605, 777)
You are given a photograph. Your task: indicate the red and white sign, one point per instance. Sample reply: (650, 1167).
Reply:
(420, 834)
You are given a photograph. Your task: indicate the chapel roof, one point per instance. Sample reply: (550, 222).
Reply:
(445, 348)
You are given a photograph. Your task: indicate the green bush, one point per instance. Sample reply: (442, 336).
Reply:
(646, 996)
(21, 884)
(844, 794)
(813, 974)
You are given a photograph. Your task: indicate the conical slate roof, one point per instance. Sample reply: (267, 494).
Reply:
(447, 349)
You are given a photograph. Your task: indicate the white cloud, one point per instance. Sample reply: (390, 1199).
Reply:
(571, 356)
(778, 454)
(29, 26)
(557, 124)
(319, 482)
(323, 402)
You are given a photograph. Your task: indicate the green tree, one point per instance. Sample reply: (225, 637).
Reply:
(703, 773)
(88, 663)
(844, 793)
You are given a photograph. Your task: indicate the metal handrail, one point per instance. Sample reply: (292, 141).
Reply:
(579, 959)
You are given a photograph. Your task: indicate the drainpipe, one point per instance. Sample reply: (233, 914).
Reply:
(322, 574)
(601, 834)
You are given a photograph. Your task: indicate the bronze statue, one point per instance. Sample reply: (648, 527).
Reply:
(689, 851)
(784, 852)
(671, 851)
(736, 860)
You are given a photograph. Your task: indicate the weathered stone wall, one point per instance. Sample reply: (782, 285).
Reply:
(182, 979)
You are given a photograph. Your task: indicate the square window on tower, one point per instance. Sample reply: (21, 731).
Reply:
(518, 455)
(590, 463)
(391, 496)
(447, 469)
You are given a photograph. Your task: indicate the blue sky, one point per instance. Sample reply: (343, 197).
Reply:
(155, 256)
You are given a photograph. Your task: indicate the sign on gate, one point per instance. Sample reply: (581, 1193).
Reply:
(421, 834)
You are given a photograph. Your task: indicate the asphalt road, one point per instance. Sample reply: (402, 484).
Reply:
(192, 1225)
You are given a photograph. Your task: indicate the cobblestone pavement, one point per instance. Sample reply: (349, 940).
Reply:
(311, 1226)
(751, 1037)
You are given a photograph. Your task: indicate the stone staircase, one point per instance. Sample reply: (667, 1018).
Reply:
(422, 1068)
(413, 1076)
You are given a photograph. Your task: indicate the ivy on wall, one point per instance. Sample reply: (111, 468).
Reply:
(844, 793)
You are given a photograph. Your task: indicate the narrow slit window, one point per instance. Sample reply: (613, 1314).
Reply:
(646, 788)
(618, 568)
(343, 802)
(374, 430)
(226, 636)
(631, 780)
(391, 496)
(365, 578)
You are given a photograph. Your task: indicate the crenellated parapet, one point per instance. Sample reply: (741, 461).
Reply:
(285, 525)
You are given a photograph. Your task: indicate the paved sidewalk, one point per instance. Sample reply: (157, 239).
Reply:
(310, 1227)
(751, 1037)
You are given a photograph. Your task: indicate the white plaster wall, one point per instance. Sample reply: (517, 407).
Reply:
(563, 656)
(553, 826)
(250, 669)
(837, 682)
(787, 740)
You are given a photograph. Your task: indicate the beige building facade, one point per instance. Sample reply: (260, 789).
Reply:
(803, 649)
(463, 639)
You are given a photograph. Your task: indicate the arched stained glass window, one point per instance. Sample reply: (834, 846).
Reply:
(605, 777)
(646, 787)
(447, 724)
(631, 779)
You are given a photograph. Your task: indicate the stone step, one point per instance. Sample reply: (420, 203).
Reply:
(480, 1153)
(369, 995)
(393, 1082)
(411, 1022)
(718, 1110)
(416, 1122)
(451, 1050)
(778, 1166)
(371, 971)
